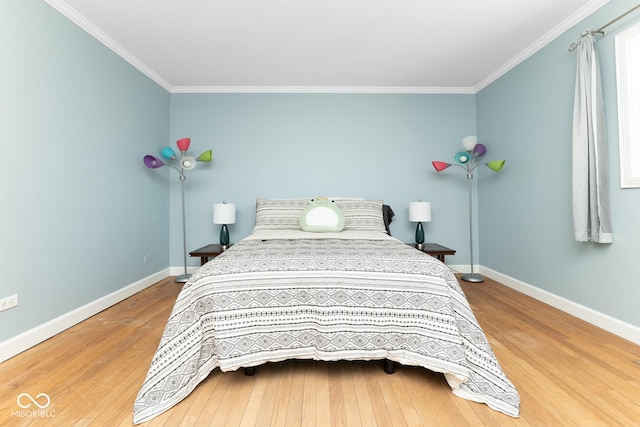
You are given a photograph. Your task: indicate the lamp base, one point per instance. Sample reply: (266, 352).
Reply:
(183, 278)
(472, 277)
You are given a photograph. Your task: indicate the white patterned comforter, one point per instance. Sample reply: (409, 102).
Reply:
(323, 299)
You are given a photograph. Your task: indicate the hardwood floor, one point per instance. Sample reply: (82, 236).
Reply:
(568, 373)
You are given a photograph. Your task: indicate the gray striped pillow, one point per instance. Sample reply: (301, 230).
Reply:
(362, 215)
(279, 214)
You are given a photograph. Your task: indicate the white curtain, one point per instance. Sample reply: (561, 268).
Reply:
(591, 210)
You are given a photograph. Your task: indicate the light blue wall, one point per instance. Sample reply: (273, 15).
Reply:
(526, 228)
(78, 212)
(305, 145)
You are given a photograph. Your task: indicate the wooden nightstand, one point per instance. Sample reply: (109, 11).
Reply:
(206, 252)
(435, 250)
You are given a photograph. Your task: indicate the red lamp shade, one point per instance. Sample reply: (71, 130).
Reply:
(440, 166)
(183, 143)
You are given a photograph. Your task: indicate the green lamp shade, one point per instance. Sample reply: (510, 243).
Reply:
(205, 157)
(495, 165)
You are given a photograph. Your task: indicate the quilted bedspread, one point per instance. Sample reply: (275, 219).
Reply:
(323, 299)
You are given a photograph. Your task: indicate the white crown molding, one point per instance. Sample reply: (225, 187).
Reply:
(551, 35)
(99, 35)
(323, 89)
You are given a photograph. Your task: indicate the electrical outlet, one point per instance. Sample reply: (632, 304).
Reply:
(147, 258)
(8, 302)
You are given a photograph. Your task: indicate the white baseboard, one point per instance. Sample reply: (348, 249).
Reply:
(601, 320)
(28, 339)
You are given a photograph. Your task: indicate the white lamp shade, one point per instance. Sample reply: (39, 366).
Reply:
(420, 211)
(224, 213)
(469, 142)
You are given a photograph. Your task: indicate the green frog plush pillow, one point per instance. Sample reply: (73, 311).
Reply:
(322, 216)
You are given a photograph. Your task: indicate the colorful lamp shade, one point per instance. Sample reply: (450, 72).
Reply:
(440, 166)
(224, 213)
(419, 212)
(495, 165)
(479, 150)
(183, 144)
(152, 162)
(205, 157)
(469, 161)
(168, 153)
(182, 165)
(463, 157)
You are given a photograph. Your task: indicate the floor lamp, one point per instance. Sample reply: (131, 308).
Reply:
(184, 164)
(469, 161)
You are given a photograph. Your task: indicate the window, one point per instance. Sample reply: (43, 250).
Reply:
(628, 75)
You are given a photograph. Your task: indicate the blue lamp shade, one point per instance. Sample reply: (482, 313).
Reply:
(463, 157)
(168, 153)
(152, 162)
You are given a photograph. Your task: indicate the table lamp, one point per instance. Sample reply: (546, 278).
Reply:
(224, 213)
(419, 212)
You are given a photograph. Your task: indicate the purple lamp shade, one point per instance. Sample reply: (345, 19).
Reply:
(440, 166)
(152, 162)
(479, 150)
(183, 144)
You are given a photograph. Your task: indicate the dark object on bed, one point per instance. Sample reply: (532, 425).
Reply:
(387, 215)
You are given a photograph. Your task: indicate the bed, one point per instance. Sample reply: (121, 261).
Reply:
(354, 294)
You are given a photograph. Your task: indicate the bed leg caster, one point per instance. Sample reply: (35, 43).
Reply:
(249, 371)
(389, 366)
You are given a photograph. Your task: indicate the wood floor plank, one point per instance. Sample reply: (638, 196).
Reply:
(323, 392)
(336, 395)
(258, 390)
(376, 397)
(358, 373)
(310, 395)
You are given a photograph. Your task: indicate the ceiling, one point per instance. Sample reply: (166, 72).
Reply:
(412, 46)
